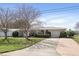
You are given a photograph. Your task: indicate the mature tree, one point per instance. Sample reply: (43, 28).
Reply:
(70, 33)
(6, 16)
(26, 16)
(77, 25)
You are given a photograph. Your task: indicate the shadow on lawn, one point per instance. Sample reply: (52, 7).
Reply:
(14, 41)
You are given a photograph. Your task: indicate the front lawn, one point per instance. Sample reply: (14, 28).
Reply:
(76, 38)
(16, 43)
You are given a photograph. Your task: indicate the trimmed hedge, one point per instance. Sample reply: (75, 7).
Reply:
(63, 34)
(42, 35)
(15, 34)
(70, 33)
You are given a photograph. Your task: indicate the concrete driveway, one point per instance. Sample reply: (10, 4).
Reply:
(44, 48)
(68, 47)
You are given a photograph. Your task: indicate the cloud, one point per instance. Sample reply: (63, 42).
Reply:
(66, 21)
(53, 22)
(57, 21)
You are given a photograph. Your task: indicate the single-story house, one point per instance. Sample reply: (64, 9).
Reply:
(54, 31)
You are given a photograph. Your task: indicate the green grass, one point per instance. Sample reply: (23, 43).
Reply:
(76, 38)
(16, 43)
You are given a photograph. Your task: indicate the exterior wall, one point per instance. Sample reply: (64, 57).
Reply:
(1, 34)
(8, 34)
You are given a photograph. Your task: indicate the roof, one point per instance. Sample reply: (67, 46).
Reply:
(14, 29)
(42, 28)
(48, 28)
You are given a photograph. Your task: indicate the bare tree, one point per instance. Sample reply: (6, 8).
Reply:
(37, 24)
(5, 20)
(26, 15)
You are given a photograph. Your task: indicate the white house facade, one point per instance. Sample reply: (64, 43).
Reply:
(55, 31)
(9, 33)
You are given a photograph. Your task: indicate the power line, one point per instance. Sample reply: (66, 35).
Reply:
(60, 9)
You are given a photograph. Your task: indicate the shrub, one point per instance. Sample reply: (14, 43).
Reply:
(15, 34)
(42, 35)
(63, 34)
(70, 33)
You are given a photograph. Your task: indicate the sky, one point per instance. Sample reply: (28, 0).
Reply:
(58, 15)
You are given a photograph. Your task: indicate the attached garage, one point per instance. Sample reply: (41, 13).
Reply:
(55, 34)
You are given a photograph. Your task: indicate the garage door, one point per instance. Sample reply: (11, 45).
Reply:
(55, 34)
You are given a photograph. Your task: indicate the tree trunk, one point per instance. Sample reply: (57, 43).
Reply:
(6, 37)
(26, 36)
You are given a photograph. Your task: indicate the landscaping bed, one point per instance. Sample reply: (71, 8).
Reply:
(16, 43)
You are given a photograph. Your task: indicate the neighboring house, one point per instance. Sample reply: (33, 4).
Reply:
(54, 31)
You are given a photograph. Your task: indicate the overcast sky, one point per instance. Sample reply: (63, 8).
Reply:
(55, 18)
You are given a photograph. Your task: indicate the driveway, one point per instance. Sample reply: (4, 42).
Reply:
(68, 47)
(46, 47)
